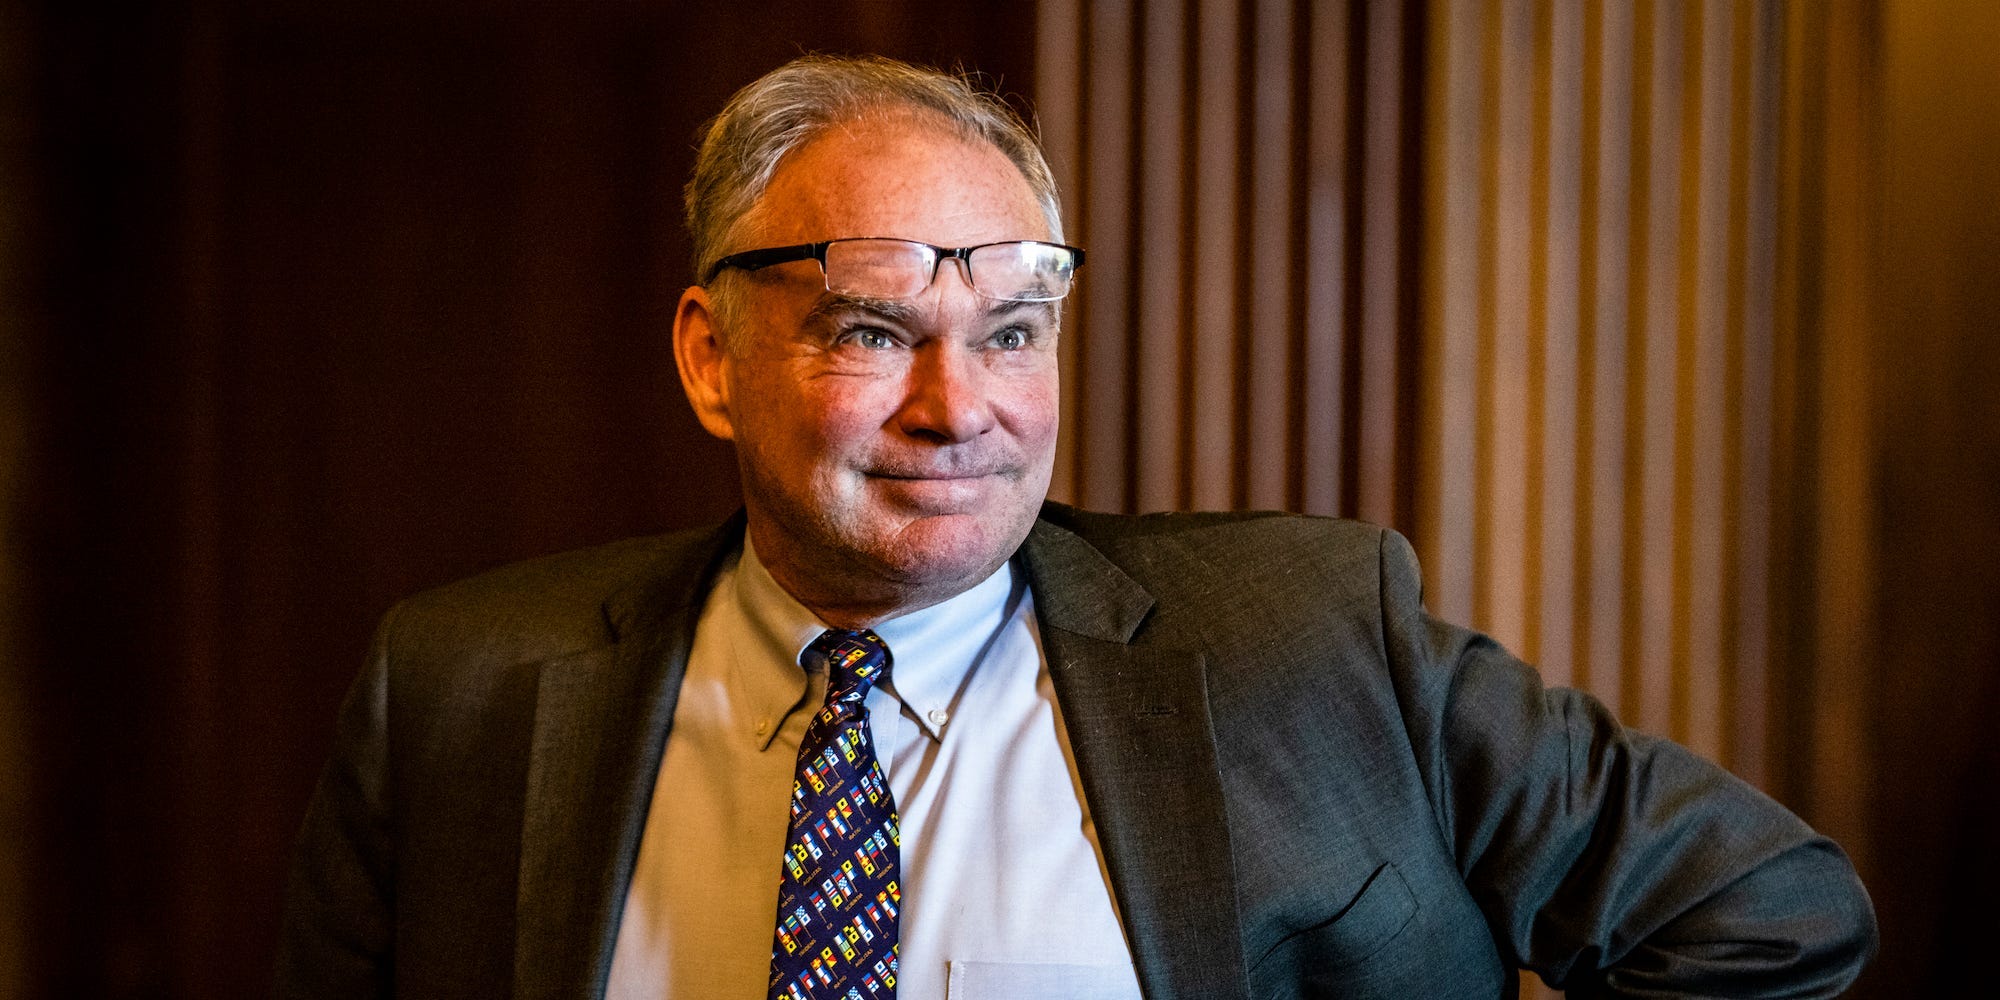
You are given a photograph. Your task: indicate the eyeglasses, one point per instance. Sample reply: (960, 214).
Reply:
(882, 268)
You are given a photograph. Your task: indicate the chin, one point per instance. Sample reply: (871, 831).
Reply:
(952, 549)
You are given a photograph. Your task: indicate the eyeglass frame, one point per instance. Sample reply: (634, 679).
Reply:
(752, 261)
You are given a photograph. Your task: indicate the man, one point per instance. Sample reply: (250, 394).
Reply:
(904, 730)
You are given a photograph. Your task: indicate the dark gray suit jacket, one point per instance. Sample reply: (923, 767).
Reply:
(1304, 785)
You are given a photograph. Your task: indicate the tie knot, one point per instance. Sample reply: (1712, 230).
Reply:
(855, 660)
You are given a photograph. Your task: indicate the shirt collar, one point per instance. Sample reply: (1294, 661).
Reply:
(773, 629)
(933, 651)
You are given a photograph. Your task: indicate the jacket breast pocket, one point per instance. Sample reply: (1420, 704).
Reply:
(1311, 961)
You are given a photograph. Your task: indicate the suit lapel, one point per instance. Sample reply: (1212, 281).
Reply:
(601, 721)
(1137, 721)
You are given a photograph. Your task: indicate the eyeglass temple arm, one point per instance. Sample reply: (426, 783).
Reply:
(756, 260)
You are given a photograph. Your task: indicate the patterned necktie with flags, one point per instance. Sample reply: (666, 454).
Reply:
(841, 887)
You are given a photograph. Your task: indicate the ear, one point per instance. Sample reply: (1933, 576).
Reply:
(699, 355)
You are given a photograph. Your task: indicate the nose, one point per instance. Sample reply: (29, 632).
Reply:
(947, 400)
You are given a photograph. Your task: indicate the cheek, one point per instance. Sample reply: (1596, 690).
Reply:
(774, 432)
(1033, 407)
(825, 426)
(844, 415)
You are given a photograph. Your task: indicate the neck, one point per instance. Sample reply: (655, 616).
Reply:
(849, 607)
(849, 592)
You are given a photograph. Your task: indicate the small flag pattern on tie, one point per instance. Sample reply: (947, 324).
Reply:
(841, 886)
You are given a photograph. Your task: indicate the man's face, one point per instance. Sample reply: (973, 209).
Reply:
(892, 453)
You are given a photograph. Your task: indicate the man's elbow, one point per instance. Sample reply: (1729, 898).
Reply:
(1812, 914)
(1841, 915)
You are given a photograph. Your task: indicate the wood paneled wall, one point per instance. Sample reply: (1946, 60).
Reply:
(1598, 285)
(1237, 164)
(1663, 327)
(1576, 295)
(1500, 275)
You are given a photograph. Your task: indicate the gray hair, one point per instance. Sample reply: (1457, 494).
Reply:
(797, 102)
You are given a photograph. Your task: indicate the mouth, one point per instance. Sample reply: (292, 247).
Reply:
(931, 477)
(937, 492)
(944, 475)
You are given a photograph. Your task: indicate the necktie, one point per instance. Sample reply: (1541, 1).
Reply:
(841, 886)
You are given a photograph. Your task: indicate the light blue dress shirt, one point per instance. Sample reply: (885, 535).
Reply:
(1005, 892)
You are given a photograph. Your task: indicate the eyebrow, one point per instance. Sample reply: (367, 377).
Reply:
(903, 312)
(1048, 309)
(833, 304)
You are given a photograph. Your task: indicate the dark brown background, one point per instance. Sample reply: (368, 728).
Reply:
(322, 304)
(302, 309)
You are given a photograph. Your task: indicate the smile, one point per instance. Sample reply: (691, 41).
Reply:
(937, 475)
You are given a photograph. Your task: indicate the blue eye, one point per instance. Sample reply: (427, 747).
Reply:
(1012, 338)
(869, 337)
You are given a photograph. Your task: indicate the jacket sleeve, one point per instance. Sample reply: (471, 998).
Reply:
(1612, 863)
(337, 927)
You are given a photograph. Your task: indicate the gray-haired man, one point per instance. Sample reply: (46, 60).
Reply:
(904, 730)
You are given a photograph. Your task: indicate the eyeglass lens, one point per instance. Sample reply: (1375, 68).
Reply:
(896, 269)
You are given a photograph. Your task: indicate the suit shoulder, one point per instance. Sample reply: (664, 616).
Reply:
(1220, 580)
(1262, 561)
(1239, 531)
(540, 607)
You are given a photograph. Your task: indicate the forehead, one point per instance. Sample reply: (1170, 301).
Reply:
(895, 176)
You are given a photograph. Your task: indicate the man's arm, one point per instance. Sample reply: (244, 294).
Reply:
(1612, 863)
(337, 930)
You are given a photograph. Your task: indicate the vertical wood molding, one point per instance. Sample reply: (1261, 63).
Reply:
(1448, 428)
(1382, 400)
(1270, 457)
(1823, 400)
(1060, 35)
(1327, 202)
(1215, 339)
(1160, 255)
